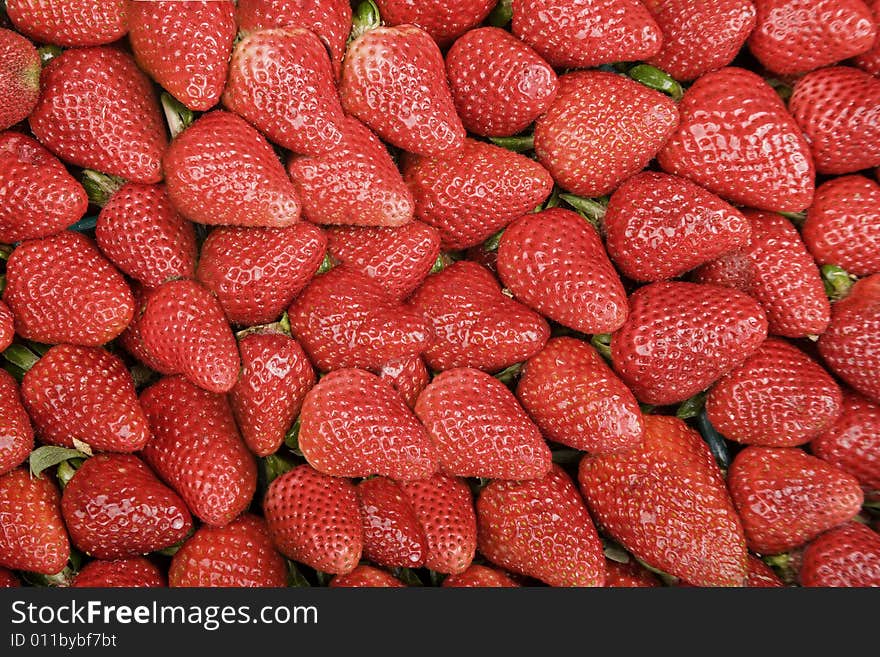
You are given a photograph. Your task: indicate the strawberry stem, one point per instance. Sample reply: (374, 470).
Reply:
(100, 186)
(508, 375)
(48, 53)
(716, 442)
(502, 14)
(553, 199)
(366, 17)
(276, 465)
(493, 242)
(653, 77)
(291, 438)
(49, 455)
(590, 209)
(178, 117)
(20, 356)
(691, 407)
(837, 281)
(515, 144)
(602, 343)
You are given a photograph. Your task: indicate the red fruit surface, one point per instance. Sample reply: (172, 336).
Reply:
(444, 21)
(408, 375)
(19, 78)
(134, 572)
(71, 23)
(628, 575)
(7, 326)
(16, 433)
(846, 556)
(870, 60)
(393, 536)
(364, 576)
(477, 576)
(8, 579)
(761, 575)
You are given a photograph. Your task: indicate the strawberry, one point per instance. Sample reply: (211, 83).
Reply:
(659, 226)
(445, 21)
(576, 400)
(394, 80)
(737, 140)
(86, 394)
(51, 304)
(666, 502)
(38, 197)
(761, 575)
(240, 554)
(836, 108)
(408, 375)
(779, 397)
(477, 576)
(197, 450)
(16, 433)
(114, 506)
(366, 576)
(256, 272)
(592, 110)
(7, 326)
(474, 323)
(870, 60)
(554, 262)
(184, 47)
(498, 83)
(132, 341)
(846, 556)
(133, 572)
(314, 519)
(282, 81)
(843, 225)
(472, 194)
(77, 23)
(266, 399)
(586, 33)
(785, 497)
(98, 110)
(629, 575)
(698, 36)
(182, 328)
(141, 233)
(540, 528)
(355, 184)
(392, 534)
(353, 424)
(19, 78)
(680, 338)
(221, 171)
(797, 36)
(8, 580)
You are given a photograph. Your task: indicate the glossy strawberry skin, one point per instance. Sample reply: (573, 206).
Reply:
(477, 576)
(393, 536)
(7, 326)
(132, 341)
(365, 576)
(870, 60)
(408, 375)
(443, 21)
(595, 107)
(16, 433)
(628, 575)
(8, 579)
(132, 572)
(82, 23)
(845, 556)
(19, 78)
(761, 575)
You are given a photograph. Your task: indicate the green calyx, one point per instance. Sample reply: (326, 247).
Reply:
(366, 17)
(838, 282)
(177, 116)
(328, 263)
(100, 186)
(716, 442)
(502, 14)
(515, 144)
(602, 343)
(493, 242)
(691, 407)
(20, 356)
(782, 89)
(48, 53)
(593, 210)
(282, 326)
(67, 460)
(656, 79)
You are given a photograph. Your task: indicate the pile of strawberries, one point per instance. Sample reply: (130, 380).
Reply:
(562, 292)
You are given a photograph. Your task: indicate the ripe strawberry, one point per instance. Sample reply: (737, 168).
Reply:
(16, 433)
(8, 580)
(353, 424)
(629, 575)
(19, 78)
(80, 23)
(132, 341)
(221, 171)
(659, 226)
(392, 534)
(797, 36)
(98, 110)
(394, 80)
(761, 575)
(540, 528)
(737, 140)
(554, 262)
(785, 497)
(870, 60)
(141, 233)
(477, 576)
(51, 305)
(314, 519)
(256, 272)
(114, 506)
(38, 197)
(836, 108)
(408, 375)
(843, 225)
(184, 47)
(266, 399)
(498, 83)
(197, 450)
(846, 556)
(366, 576)
(87, 394)
(474, 323)
(665, 502)
(586, 33)
(680, 338)
(445, 22)
(240, 554)
(7, 326)
(355, 184)
(134, 572)
(576, 400)
(595, 107)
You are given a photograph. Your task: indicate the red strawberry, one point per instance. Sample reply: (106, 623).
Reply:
(392, 534)
(586, 33)
(870, 60)
(796, 36)
(19, 78)
(98, 110)
(355, 425)
(498, 83)
(477, 576)
(576, 400)
(221, 171)
(408, 375)
(266, 399)
(87, 394)
(38, 197)
(134, 572)
(444, 21)
(665, 502)
(680, 338)
(141, 233)
(114, 506)
(16, 433)
(197, 450)
(761, 575)
(132, 341)
(659, 226)
(394, 80)
(240, 554)
(593, 110)
(540, 528)
(785, 497)
(315, 519)
(554, 262)
(366, 576)
(79, 23)
(737, 140)
(51, 305)
(184, 47)
(474, 323)
(357, 183)
(8, 580)
(7, 326)
(846, 556)
(629, 575)
(256, 272)
(843, 225)
(836, 108)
